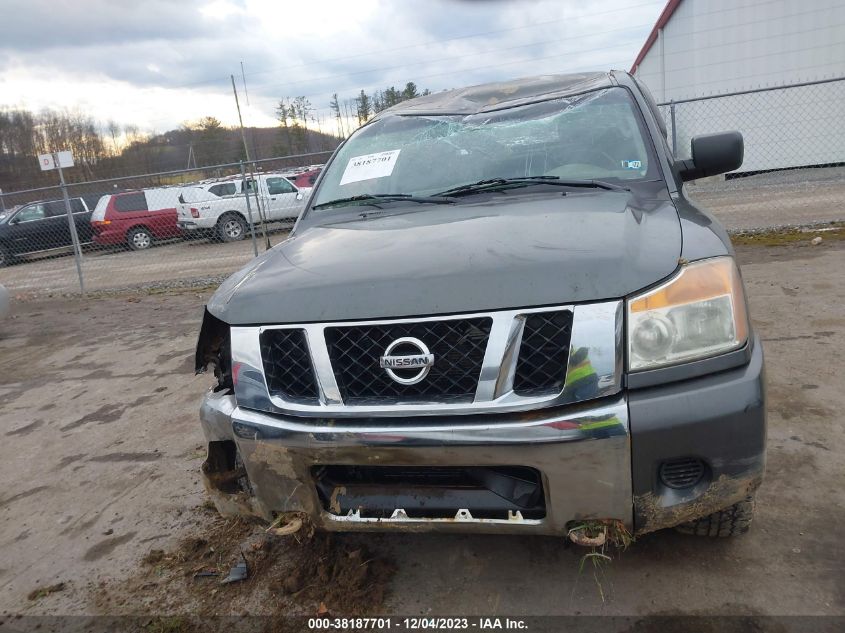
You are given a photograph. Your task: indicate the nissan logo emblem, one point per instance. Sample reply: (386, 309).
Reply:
(423, 361)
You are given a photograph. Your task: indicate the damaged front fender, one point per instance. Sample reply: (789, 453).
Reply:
(214, 347)
(654, 512)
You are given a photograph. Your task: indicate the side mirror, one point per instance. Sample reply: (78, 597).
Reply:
(298, 196)
(713, 154)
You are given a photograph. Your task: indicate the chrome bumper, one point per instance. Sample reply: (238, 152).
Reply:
(582, 452)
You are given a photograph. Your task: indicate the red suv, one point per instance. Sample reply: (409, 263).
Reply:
(136, 218)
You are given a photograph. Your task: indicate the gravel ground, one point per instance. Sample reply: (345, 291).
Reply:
(795, 197)
(102, 449)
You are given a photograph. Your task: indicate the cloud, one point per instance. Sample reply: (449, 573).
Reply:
(43, 25)
(158, 63)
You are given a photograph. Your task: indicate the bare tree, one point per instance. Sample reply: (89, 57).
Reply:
(363, 107)
(334, 104)
(114, 130)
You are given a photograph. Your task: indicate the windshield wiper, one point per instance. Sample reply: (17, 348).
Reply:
(498, 184)
(372, 198)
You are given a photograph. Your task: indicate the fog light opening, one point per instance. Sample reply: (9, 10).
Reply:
(684, 472)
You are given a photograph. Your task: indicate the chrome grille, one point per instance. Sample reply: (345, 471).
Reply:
(543, 354)
(287, 365)
(458, 347)
(331, 370)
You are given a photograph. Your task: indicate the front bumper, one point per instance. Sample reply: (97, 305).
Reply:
(195, 225)
(596, 460)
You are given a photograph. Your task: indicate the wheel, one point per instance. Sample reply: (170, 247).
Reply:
(728, 522)
(231, 228)
(139, 238)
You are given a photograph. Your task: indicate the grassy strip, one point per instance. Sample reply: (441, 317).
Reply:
(782, 237)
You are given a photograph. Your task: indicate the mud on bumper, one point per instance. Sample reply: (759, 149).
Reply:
(651, 458)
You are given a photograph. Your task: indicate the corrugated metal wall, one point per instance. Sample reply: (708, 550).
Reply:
(718, 46)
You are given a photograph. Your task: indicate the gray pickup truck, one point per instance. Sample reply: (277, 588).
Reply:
(499, 312)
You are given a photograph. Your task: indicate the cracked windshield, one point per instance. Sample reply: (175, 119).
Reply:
(596, 135)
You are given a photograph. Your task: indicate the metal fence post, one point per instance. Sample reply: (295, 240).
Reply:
(263, 215)
(77, 249)
(674, 132)
(249, 209)
(2, 203)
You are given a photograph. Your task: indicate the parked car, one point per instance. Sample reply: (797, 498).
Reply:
(43, 226)
(499, 313)
(273, 198)
(136, 218)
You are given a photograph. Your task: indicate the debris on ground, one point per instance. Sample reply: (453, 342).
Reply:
(602, 537)
(153, 557)
(263, 574)
(43, 592)
(285, 525)
(237, 573)
(816, 241)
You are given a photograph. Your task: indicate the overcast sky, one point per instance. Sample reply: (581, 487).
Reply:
(156, 63)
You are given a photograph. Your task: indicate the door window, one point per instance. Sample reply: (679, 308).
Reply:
(277, 186)
(34, 212)
(57, 207)
(223, 189)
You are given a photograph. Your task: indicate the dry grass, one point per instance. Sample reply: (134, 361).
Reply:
(613, 537)
(834, 231)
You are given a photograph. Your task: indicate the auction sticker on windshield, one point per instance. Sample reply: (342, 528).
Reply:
(370, 166)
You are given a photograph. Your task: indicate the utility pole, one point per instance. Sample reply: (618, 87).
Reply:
(251, 174)
(243, 78)
(77, 249)
(249, 210)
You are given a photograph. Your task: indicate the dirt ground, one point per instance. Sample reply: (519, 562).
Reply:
(102, 510)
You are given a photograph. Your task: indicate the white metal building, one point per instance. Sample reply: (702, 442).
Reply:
(700, 48)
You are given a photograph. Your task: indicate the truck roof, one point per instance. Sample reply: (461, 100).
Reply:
(498, 95)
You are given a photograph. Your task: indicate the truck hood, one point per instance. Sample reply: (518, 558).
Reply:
(507, 251)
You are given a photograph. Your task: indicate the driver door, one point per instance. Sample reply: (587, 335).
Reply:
(283, 199)
(31, 230)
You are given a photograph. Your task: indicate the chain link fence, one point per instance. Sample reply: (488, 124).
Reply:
(197, 226)
(192, 226)
(794, 167)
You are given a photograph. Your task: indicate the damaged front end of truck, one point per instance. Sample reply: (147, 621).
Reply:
(538, 331)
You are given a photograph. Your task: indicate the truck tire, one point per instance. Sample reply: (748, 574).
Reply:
(231, 227)
(728, 522)
(139, 238)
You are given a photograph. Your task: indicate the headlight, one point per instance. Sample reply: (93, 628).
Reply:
(698, 313)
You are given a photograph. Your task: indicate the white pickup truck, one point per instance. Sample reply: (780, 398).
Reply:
(220, 208)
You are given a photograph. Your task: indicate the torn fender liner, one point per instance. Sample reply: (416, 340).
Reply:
(655, 512)
(214, 348)
(226, 482)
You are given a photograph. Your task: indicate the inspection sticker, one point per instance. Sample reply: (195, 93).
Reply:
(632, 164)
(370, 166)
